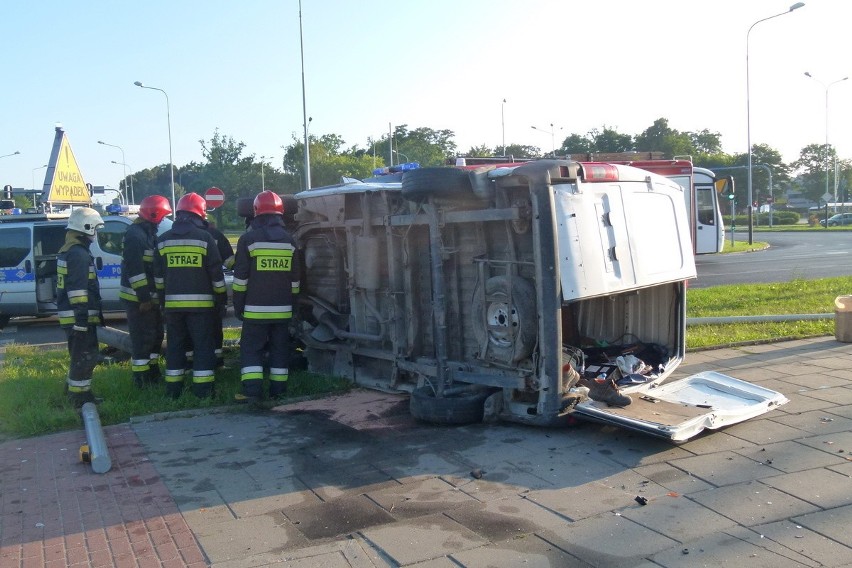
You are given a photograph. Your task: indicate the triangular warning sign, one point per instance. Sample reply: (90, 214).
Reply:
(65, 183)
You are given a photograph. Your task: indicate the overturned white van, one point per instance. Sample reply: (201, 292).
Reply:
(472, 289)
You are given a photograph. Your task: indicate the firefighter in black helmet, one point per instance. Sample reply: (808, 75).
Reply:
(189, 270)
(138, 292)
(78, 300)
(266, 281)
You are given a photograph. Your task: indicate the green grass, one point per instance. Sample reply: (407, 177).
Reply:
(796, 297)
(33, 402)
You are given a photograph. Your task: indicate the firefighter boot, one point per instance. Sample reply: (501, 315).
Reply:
(174, 388)
(140, 378)
(277, 390)
(153, 375)
(251, 391)
(604, 390)
(202, 390)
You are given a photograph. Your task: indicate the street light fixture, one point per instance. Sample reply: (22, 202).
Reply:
(403, 155)
(15, 153)
(552, 133)
(34, 171)
(122, 163)
(826, 87)
(130, 178)
(169, 122)
(503, 123)
(750, 198)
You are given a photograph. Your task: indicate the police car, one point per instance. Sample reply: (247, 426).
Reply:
(30, 247)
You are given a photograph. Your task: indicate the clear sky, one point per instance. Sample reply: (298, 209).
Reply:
(442, 64)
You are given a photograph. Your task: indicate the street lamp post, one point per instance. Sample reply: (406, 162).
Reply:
(169, 123)
(262, 180)
(826, 87)
(15, 153)
(34, 171)
(123, 160)
(795, 6)
(503, 123)
(127, 179)
(304, 105)
(552, 133)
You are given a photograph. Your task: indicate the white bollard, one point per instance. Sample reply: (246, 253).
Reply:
(98, 451)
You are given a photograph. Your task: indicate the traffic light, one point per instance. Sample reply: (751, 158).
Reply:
(7, 192)
(730, 196)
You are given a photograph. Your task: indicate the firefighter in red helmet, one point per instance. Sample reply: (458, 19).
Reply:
(266, 282)
(188, 269)
(139, 293)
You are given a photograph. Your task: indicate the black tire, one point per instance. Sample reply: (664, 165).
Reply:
(509, 331)
(458, 408)
(420, 184)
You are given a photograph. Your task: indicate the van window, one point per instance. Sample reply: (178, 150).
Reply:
(111, 237)
(16, 245)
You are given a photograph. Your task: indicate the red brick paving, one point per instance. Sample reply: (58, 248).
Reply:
(56, 512)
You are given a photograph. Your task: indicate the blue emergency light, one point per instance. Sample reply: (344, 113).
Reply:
(408, 166)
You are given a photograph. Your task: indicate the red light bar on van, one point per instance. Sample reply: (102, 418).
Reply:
(595, 171)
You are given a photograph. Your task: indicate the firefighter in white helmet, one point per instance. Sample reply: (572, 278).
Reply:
(78, 300)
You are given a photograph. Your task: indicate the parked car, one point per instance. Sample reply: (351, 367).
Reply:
(838, 220)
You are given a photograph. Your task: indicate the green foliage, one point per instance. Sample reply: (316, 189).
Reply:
(33, 401)
(778, 218)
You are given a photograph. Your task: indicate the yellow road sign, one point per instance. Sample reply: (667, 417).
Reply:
(66, 181)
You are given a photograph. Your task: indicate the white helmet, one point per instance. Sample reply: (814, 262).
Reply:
(86, 220)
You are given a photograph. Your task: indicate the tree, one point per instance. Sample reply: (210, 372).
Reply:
(659, 137)
(610, 140)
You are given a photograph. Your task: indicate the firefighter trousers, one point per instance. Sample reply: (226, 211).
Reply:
(256, 341)
(190, 331)
(146, 340)
(83, 352)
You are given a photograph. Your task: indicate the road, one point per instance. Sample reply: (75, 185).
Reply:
(790, 256)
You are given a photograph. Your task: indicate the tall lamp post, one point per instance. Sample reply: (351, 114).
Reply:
(795, 6)
(127, 179)
(503, 123)
(123, 159)
(304, 106)
(34, 171)
(15, 153)
(826, 87)
(552, 133)
(169, 123)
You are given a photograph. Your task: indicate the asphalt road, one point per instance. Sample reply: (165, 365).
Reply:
(790, 256)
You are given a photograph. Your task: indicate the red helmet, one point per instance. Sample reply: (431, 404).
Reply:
(268, 202)
(154, 207)
(193, 203)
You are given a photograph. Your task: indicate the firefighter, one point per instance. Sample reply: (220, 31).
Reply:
(78, 300)
(188, 269)
(226, 251)
(266, 281)
(138, 292)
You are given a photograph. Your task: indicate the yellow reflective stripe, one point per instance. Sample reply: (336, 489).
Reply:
(267, 316)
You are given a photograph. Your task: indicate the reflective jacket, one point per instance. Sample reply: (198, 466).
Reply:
(266, 272)
(137, 262)
(78, 294)
(188, 268)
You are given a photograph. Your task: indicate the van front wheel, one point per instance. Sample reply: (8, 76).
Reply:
(464, 407)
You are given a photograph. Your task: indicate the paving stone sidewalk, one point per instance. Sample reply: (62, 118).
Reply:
(352, 481)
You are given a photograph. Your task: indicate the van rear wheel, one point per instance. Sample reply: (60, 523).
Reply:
(464, 407)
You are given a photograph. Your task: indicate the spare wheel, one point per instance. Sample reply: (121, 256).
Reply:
(506, 324)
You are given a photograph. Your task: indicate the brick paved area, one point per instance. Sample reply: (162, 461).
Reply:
(56, 512)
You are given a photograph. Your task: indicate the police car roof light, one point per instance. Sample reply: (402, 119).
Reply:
(408, 166)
